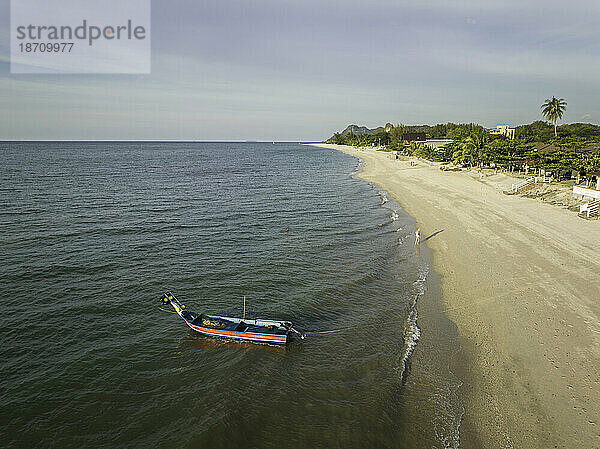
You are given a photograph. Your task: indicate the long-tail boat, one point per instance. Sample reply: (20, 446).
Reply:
(259, 331)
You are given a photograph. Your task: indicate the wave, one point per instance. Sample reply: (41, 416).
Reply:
(358, 167)
(412, 331)
(447, 423)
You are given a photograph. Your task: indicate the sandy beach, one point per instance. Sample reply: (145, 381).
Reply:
(521, 279)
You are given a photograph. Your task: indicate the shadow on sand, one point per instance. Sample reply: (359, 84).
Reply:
(433, 235)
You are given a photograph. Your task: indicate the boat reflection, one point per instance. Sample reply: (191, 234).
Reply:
(199, 343)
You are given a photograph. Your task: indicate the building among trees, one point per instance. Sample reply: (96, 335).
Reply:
(414, 137)
(504, 130)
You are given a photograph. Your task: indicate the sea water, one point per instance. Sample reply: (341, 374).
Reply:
(93, 233)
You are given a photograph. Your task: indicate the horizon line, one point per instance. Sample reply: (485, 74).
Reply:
(158, 140)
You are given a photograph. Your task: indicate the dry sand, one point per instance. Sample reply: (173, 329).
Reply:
(521, 279)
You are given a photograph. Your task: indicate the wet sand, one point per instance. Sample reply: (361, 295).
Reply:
(521, 279)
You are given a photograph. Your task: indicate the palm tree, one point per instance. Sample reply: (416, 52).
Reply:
(553, 110)
(466, 151)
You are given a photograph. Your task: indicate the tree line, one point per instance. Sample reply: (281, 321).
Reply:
(573, 146)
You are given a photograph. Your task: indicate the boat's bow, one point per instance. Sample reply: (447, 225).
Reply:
(169, 299)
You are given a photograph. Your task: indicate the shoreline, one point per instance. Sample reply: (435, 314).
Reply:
(427, 372)
(520, 280)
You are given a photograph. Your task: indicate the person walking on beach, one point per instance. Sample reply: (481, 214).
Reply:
(418, 237)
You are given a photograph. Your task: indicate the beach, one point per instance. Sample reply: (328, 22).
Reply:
(520, 278)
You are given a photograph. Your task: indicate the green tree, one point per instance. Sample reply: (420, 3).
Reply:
(396, 142)
(466, 152)
(337, 139)
(553, 110)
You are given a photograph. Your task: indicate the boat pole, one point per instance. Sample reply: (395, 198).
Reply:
(244, 316)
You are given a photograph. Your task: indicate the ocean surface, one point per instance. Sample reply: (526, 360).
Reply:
(91, 234)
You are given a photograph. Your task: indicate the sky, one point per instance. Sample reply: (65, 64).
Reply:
(302, 69)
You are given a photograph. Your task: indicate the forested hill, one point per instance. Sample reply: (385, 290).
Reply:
(389, 131)
(360, 130)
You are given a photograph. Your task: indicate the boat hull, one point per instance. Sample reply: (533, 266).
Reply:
(245, 336)
(233, 328)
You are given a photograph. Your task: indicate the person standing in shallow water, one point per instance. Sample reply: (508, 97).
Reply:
(418, 237)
